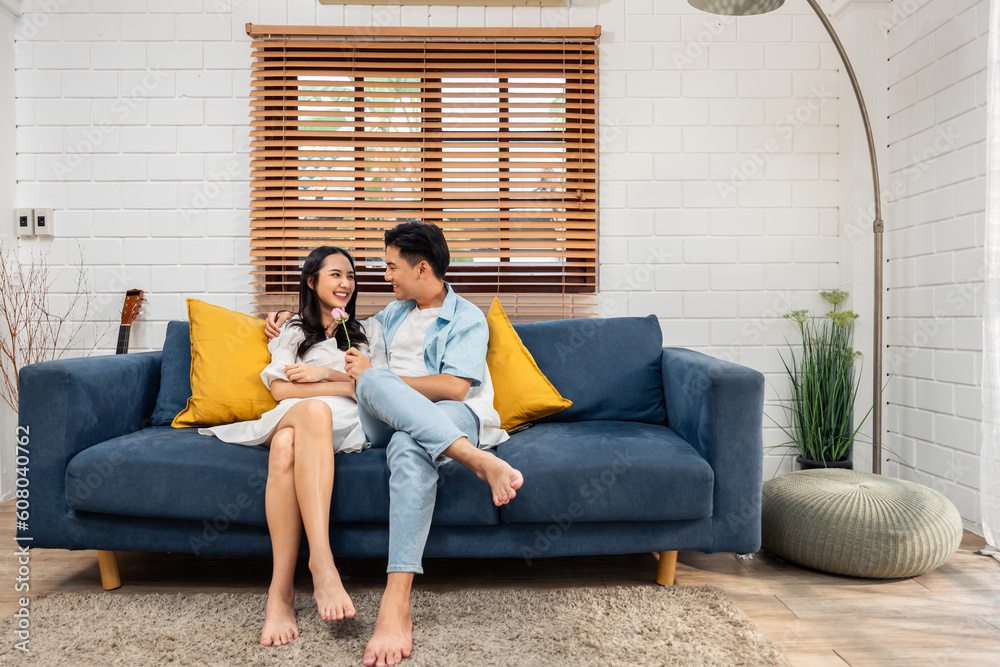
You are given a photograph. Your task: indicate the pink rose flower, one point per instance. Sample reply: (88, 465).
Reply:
(340, 317)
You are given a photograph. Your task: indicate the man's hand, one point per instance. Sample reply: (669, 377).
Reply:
(355, 363)
(272, 325)
(306, 373)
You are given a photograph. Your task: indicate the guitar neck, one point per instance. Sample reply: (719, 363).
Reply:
(123, 334)
(130, 310)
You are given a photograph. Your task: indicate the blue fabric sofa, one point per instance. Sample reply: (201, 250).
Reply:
(660, 451)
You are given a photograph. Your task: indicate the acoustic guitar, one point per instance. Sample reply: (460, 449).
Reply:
(130, 310)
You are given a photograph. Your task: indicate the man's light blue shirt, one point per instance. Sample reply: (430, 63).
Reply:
(455, 342)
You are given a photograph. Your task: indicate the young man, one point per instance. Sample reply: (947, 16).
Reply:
(433, 403)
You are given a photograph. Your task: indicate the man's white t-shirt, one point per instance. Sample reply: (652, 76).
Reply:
(406, 353)
(406, 359)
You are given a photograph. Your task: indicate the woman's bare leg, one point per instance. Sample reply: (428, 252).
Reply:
(285, 526)
(313, 472)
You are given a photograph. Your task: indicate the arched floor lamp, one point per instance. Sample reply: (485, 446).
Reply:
(749, 8)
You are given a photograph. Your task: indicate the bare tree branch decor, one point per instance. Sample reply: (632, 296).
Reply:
(31, 329)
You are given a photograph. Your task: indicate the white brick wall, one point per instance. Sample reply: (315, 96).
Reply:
(719, 156)
(738, 157)
(8, 167)
(935, 167)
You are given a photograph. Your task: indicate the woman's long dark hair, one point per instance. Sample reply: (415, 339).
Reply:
(310, 316)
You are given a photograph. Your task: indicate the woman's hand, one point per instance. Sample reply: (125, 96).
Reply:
(355, 363)
(306, 373)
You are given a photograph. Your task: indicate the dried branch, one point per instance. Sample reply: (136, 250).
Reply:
(31, 329)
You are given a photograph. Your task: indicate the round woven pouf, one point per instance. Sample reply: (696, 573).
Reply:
(858, 524)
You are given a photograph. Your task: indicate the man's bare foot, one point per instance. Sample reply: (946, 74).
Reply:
(393, 637)
(503, 479)
(332, 601)
(279, 619)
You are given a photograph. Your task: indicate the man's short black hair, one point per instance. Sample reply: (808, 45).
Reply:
(418, 241)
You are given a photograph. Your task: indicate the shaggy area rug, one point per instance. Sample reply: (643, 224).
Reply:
(618, 626)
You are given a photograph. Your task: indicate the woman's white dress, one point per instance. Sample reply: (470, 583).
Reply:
(348, 435)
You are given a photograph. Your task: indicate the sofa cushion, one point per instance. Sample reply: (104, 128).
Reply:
(173, 473)
(521, 393)
(175, 373)
(606, 471)
(610, 368)
(228, 352)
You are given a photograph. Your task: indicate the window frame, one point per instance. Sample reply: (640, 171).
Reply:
(563, 286)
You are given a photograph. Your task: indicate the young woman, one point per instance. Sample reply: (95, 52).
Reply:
(306, 377)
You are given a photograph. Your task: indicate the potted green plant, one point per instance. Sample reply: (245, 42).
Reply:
(824, 382)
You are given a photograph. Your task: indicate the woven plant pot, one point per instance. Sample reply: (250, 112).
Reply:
(858, 524)
(803, 463)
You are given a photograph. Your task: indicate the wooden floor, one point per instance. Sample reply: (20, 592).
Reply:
(948, 617)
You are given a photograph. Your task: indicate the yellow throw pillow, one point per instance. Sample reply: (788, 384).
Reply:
(521, 392)
(228, 352)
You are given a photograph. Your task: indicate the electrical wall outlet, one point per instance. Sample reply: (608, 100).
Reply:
(24, 221)
(44, 222)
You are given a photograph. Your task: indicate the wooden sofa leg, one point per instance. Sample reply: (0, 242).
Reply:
(668, 565)
(108, 560)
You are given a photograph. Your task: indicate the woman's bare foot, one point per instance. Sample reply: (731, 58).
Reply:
(279, 619)
(332, 601)
(393, 637)
(503, 479)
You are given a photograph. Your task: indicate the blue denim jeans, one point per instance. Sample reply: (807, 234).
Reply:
(415, 431)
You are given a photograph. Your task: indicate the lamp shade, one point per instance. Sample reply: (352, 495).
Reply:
(736, 7)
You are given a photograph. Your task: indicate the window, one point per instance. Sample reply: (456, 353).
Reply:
(491, 134)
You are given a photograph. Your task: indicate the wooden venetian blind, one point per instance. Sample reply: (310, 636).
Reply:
(490, 134)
